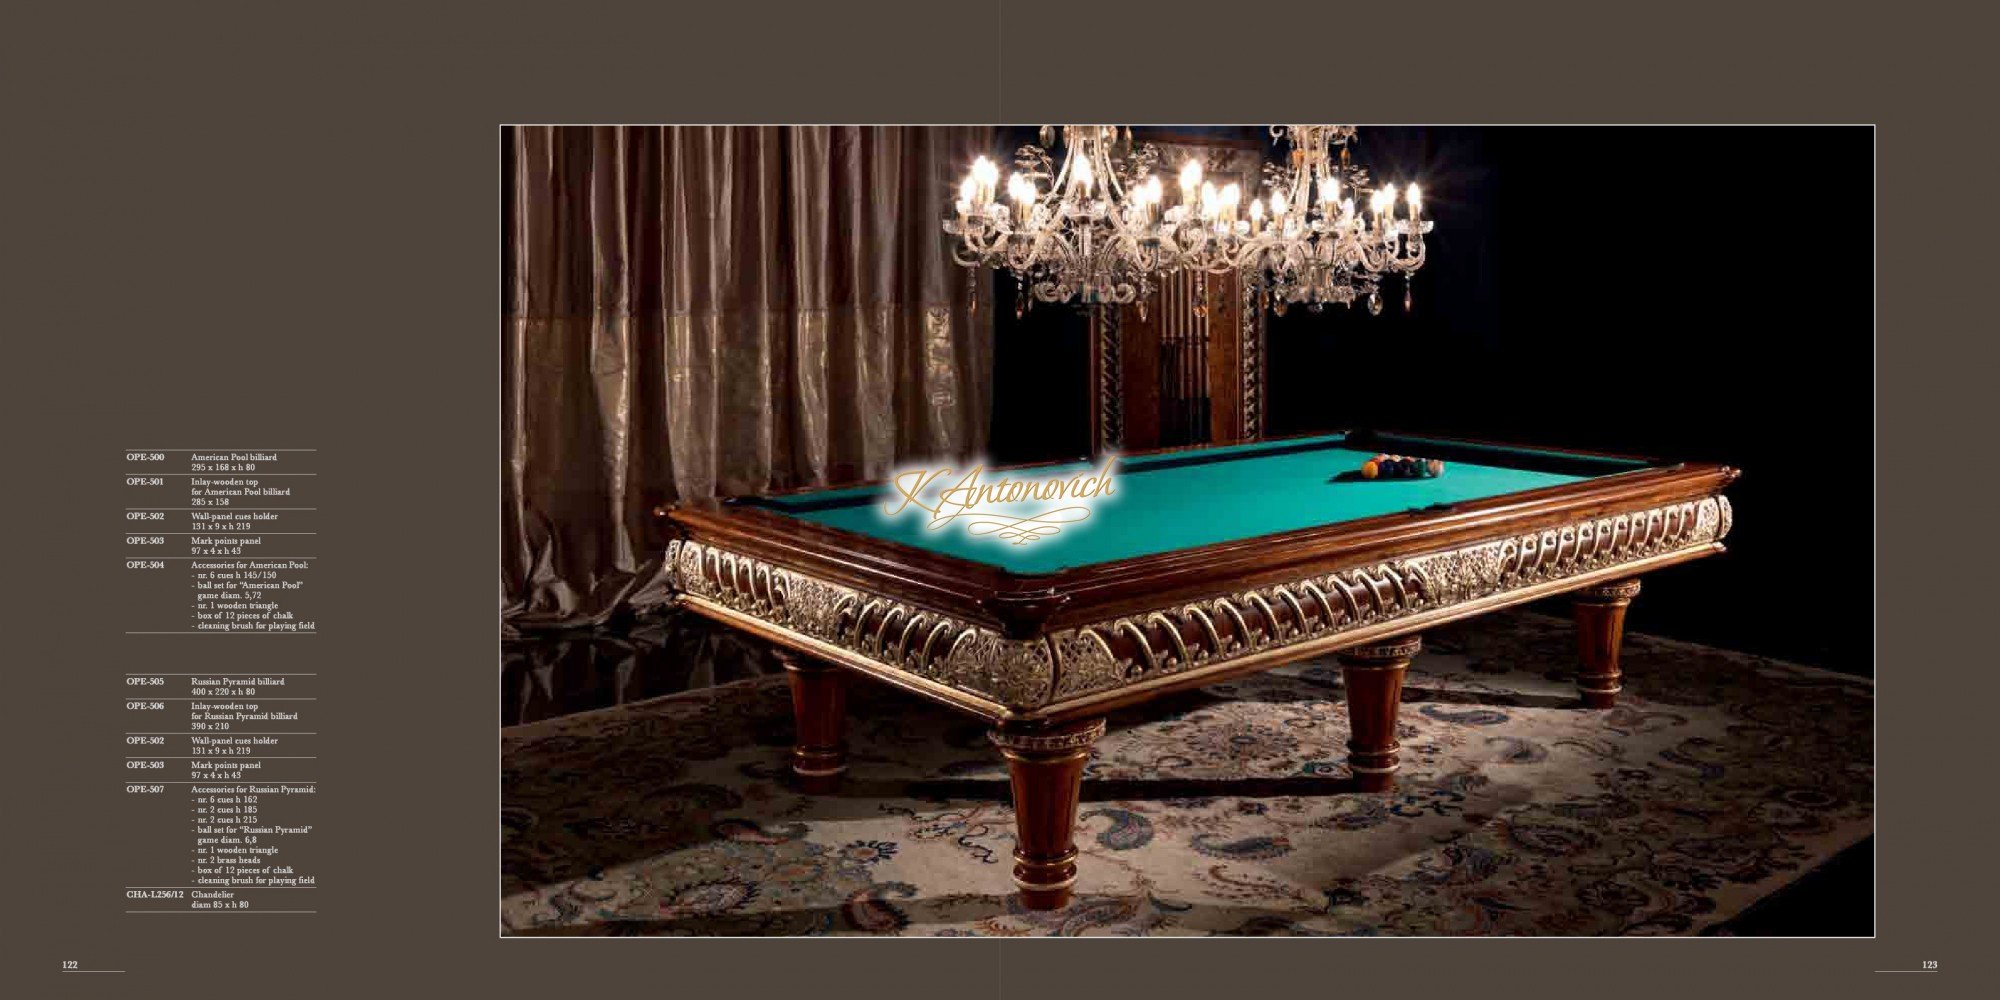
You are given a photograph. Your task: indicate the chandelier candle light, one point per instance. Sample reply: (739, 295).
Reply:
(1089, 230)
(1316, 248)
(1099, 232)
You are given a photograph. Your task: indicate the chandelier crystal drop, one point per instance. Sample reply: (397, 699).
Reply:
(1097, 229)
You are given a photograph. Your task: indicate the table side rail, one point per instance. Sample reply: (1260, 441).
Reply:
(1327, 605)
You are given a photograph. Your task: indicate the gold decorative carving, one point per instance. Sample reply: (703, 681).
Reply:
(1618, 592)
(1250, 326)
(1392, 652)
(924, 643)
(1110, 654)
(1027, 674)
(1106, 324)
(1028, 741)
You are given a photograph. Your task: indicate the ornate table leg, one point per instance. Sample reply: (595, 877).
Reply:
(1374, 677)
(1045, 767)
(819, 713)
(1600, 630)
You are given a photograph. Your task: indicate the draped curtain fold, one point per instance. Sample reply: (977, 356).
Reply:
(701, 311)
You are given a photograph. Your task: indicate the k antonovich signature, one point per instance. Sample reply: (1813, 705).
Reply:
(973, 499)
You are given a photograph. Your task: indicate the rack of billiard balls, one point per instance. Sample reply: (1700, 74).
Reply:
(1401, 467)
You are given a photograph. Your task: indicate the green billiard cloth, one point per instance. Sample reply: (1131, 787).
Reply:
(1188, 499)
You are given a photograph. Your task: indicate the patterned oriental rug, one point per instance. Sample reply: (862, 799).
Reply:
(1720, 778)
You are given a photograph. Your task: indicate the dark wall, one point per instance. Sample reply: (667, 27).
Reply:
(1685, 293)
(1041, 379)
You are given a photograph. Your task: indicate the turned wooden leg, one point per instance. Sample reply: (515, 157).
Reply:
(1045, 767)
(1600, 630)
(819, 714)
(1374, 677)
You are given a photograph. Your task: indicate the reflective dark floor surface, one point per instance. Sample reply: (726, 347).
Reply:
(559, 673)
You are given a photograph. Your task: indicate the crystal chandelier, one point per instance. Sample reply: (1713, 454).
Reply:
(1314, 246)
(1098, 232)
(1089, 230)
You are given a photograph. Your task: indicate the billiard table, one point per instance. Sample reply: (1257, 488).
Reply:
(1205, 564)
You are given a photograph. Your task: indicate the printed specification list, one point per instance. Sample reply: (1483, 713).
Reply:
(221, 767)
(220, 733)
(222, 541)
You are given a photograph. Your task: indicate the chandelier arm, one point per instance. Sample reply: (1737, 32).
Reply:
(1060, 182)
(1102, 152)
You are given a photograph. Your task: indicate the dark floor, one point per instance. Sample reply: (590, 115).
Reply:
(632, 660)
(1837, 899)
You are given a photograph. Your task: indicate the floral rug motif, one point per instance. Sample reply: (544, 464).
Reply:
(1719, 778)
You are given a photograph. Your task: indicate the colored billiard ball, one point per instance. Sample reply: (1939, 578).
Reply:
(1435, 467)
(1370, 469)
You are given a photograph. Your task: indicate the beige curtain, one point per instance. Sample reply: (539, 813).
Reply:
(693, 312)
